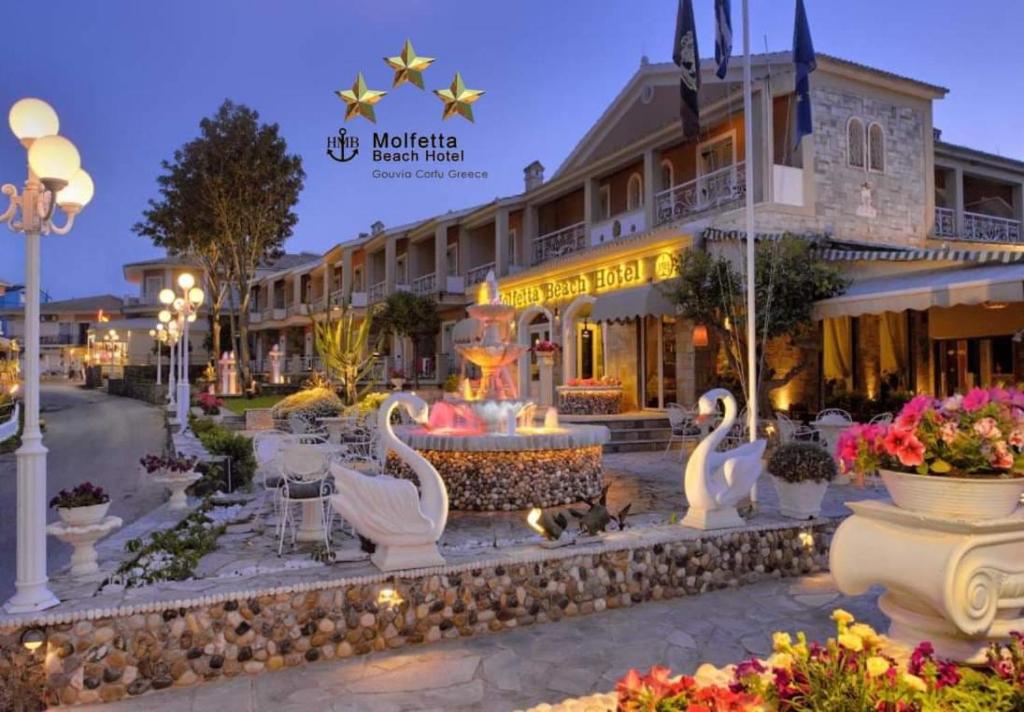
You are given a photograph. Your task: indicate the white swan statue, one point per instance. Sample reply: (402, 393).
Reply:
(403, 523)
(9, 428)
(716, 481)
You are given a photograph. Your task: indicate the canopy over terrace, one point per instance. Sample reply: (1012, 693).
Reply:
(936, 331)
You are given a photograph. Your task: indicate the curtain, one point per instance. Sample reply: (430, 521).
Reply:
(892, 336)
(838, 350)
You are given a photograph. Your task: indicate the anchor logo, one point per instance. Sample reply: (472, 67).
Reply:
(342, 142)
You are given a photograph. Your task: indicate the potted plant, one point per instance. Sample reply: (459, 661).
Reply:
(801, 473)
(209, 404)
(960, 457)
(176, 473)
(81, 505)
(545, 349)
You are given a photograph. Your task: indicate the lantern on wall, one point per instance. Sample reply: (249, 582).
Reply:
(700, 336)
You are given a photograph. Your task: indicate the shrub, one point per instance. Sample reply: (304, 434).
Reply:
(311, 403)
(218, 440)
(802, 462)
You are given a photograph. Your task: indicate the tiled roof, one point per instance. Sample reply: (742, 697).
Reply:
(106, 302)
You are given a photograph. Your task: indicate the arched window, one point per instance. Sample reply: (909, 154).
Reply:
(634, 192)
(876, 148)
(855, 143)
(667, 174)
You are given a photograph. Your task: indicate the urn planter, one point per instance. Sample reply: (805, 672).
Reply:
(963, 498)
(800, 500)
(83, 516)
(177, 483)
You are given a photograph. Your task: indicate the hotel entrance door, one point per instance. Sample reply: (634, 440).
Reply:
(657, 340)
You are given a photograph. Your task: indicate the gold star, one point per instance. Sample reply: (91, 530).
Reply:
(359, 100)
(408, 67)
(457, 99)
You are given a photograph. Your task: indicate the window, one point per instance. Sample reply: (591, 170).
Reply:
(452, 256)
(667, 174)
(152, 287)
(357, 279)
(855, 143)
(513, 246)
(876, 148)
(634, 192)
(604, 199)
(401, 273)
(716, 154)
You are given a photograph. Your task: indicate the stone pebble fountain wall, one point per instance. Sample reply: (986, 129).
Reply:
(104, 655)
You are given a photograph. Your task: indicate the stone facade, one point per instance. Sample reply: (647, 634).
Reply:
(106, 655)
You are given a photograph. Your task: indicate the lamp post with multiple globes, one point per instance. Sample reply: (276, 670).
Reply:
(171, 327)
(159, 336)
(186, 308)
(55, 179)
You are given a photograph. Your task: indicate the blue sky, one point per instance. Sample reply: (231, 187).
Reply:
(131, 80)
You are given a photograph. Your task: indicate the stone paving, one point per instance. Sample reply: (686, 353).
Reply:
(531, 666)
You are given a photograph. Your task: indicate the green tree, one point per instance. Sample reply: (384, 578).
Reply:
(411, 316)
(344, 348)
(241, 180)
(789, 278)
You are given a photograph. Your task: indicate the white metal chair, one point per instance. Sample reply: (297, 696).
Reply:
(683, 428)
(304, 470)
(300, 425)
(881, 419)
(266, 446)
(834, 414)
(792, 431)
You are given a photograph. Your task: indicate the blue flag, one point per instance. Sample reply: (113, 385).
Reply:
(803, 58)
(687, 58)
(723, 36)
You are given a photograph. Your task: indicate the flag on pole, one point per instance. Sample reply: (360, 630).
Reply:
(803, 58)
(687, 58)
(723, 36)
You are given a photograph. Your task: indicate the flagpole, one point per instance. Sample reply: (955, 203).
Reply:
(748, 133)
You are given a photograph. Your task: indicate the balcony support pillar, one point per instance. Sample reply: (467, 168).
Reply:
(390, 263)
(651, 186)
(501, 258)
(441, 256)
(346, 274)
(530, 234)
(958, 199)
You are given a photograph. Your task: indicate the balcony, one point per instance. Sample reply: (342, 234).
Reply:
(976, 227)
(425, 284)
(719, 189)
(560, 242)
(377, 292)
(478, 274)
(618, 226)
(297, 310)
(255, 316)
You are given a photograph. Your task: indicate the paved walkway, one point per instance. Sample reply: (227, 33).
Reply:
(529, 666)
(90, 436)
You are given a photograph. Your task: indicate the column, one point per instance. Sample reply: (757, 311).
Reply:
(530, 227)
(766, 142)
(441, 256)
(501, 242)
(686, 364)
(346, 273)
(958, 199)
(297, 289)
(651, 186)
(390, 263)
(328, 270)
(546, 364)
(270, 294)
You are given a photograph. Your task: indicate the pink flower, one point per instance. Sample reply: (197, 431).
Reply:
(912, 412)
(976, 399)
(1017, 437)
(988, 429)
(953, 403)
(999, 395)
(904, 445)
(948, 432)
(1001, 458)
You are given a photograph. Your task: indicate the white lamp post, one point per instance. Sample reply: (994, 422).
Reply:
(185, 307)
(54, 179)
(172, 340)
(159, 336)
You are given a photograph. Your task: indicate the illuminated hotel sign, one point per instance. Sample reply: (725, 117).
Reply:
(604, 279)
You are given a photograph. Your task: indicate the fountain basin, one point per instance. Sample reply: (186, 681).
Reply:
(536, 467)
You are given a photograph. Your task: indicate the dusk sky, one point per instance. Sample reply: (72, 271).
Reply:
(130, 81)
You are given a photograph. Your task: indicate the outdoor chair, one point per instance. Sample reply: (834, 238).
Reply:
(881, 419)
(299, 425)
(266, 447)
(793, 431)
(683, 427)
(305, 481)
(834, 414)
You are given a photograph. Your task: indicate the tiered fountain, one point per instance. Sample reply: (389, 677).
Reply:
(485, 444)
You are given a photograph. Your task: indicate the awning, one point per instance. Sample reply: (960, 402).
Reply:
(632, 303)
(921, 290)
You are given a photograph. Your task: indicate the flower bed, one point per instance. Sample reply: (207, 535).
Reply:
(856, 670)
(590, 397)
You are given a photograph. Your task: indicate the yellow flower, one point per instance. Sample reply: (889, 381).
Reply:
(781, 642)
(877, 665)
(866, 632)
(781, 660)
(800, 649)
(914, 682)
(842, 617)
(851, 641)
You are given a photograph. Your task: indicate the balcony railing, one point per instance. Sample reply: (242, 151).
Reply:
(478, 274)
(377, 292)
(560, 242)
(426, 284)
(945, 222)
(297, 310)
(60, 340)
(988, 228)
(617, 226)
(719, 189)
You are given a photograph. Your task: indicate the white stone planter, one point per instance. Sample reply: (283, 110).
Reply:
(177, 484)
(968, 499)
(83, 516)
(800, 500)
(397, 383)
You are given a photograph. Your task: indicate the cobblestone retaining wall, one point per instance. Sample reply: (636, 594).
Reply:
(105, 656)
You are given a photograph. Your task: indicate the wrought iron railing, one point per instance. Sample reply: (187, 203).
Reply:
(988, 228)
(945, 222)
(427, 284)
(560, 242)
(378, 292)
(718, 189)
(478, 274)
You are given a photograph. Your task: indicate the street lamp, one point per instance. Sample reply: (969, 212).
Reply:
(172, 340)
(185, 307)
(55, 179)
(159, 335)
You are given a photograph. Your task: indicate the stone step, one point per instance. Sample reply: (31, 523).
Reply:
(633, 434)
(636, 445)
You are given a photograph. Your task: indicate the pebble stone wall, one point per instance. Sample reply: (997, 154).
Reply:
(152, 647)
